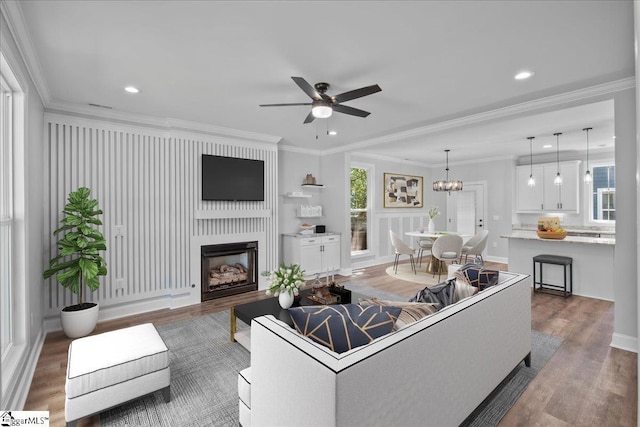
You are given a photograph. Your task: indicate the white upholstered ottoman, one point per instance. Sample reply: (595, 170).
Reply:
(108, 369)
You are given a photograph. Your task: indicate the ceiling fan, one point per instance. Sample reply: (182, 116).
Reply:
(324, 105)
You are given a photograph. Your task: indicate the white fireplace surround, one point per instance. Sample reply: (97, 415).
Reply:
(196, 245)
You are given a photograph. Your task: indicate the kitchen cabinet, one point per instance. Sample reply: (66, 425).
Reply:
(546, 196)
(315, 254)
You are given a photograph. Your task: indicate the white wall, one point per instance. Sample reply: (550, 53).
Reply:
(148, 183)
(28, 211)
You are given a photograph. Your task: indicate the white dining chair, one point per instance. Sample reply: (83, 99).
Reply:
(401, 248)
(423, 245)
(446, 248)
(475, 246)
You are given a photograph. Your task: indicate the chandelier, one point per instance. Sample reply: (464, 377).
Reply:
(447, 185)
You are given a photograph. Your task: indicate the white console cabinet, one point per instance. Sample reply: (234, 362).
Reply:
(315, 254)
(546, 196)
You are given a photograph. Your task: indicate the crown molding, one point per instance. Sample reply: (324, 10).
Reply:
(301, 150)
(12, 13)
(499, 113)
(137, 119)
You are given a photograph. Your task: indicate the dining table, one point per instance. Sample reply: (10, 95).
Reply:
(432, 267)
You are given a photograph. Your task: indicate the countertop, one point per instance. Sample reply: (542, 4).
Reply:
(531, 235)
(328, 233)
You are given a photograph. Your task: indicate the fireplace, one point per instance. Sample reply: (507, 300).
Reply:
(229, 269)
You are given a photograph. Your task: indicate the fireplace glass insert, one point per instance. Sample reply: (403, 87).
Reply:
(229, 269)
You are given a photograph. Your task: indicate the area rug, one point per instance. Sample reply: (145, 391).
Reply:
(204, 377)
(420, 276)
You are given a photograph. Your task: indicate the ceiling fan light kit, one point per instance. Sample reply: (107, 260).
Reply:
(321, 110)
(323, 105)
(446, 184)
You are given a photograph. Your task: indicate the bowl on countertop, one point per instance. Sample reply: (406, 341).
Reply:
(557, 235)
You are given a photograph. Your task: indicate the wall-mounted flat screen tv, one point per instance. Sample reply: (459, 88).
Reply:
(232, 179)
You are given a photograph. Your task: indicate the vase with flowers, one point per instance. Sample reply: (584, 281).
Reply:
(433, 212)
(285, 283)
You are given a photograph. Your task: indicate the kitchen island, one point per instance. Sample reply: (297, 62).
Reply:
(592, 260)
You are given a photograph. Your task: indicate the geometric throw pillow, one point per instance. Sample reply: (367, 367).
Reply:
(477, 275)
(441, 294)
(344, 327)
(411, 311)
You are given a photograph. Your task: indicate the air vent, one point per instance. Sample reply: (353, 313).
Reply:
(101, 106)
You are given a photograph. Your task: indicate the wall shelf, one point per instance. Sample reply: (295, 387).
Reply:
(297, 195)
(313, 185)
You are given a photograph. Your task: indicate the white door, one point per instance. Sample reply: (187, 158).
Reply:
(465, 209)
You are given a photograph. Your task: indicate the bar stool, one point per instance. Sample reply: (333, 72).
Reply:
(550, 288)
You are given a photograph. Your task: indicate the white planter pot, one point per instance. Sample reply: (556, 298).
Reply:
(76, 324)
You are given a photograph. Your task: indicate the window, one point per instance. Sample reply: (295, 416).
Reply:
(603, 193)
(360, 202)
(6, 220)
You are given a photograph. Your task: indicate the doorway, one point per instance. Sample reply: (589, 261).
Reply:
(466, 209)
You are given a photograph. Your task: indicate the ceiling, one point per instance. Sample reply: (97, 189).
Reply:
(214, 62)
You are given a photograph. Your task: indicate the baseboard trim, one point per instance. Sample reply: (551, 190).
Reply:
(624, 342)
(53, 324)
(20, 392)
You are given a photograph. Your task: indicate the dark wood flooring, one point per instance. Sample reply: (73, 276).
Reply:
(586, 382)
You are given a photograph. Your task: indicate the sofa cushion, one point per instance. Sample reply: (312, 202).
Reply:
(463, 290)
(411, 311)
(477, 275)
(442, 294)
(344, 327)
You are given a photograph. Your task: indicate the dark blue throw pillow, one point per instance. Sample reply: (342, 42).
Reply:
(477, 275)
(343, 327)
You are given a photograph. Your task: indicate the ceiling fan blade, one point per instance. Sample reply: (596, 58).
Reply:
(284, 105)
(350, 110)
(309, 118)
(307, 88)
(357, 93)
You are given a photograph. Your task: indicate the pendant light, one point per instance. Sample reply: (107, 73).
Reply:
(587, 175)
(446, 185)
(532, 180)
(558, 179)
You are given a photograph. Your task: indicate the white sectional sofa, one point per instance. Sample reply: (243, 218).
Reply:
(434, 372)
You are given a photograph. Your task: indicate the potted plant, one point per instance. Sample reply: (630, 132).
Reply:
(285, 283)
(78, 262)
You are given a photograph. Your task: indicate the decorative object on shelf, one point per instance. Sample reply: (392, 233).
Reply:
(309, 179)
(433, 212)
(306, 228)
(287, 279)
(532, 181)
(78, 262)
(558, 179)
(447, 185)
(402, 191)
(310, 211)
(587, 175)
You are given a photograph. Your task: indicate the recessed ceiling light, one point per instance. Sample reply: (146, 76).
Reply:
(132, 89)
(523, 75)
(333, 132)
(547, 146)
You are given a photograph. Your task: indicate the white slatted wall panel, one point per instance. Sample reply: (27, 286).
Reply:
(147, 183)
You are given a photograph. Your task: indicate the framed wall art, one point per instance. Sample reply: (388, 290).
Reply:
(402, 191)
